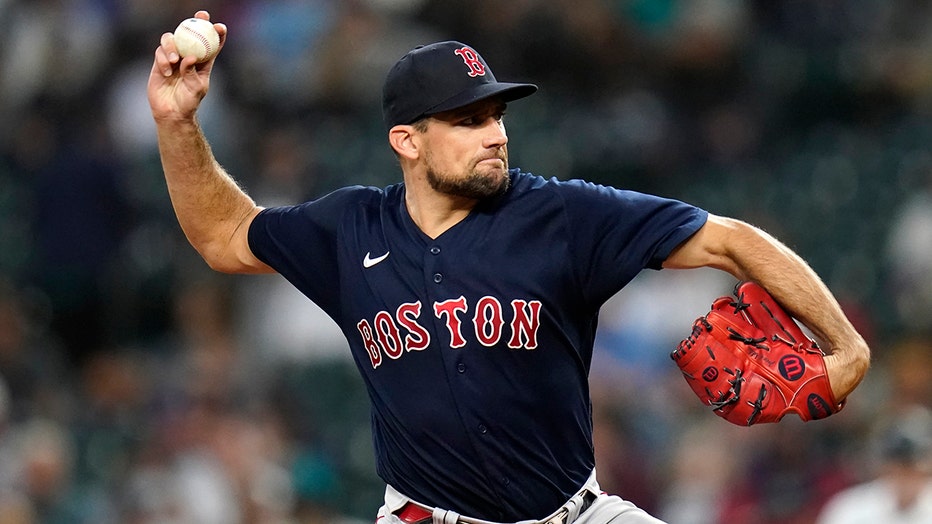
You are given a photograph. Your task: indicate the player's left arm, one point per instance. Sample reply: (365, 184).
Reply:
(749, 253)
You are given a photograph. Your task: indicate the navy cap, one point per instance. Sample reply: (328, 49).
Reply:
(439, 77)
(908, 439)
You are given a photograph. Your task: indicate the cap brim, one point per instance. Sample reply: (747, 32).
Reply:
(507, 91)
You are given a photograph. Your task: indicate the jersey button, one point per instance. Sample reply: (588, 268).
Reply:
(435, 250)
(483, 429)
(438, 278)
(461, 367)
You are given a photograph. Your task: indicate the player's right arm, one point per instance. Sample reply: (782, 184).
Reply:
(213, 211)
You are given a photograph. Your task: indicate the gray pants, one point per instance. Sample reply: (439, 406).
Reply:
(615, 510)
(605, 509)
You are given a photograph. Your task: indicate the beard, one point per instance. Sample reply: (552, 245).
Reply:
(474, 185)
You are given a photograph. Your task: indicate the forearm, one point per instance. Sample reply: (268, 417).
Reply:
(211, 208)
(755, 255)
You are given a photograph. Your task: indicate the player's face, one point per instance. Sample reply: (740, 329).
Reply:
(467, 153)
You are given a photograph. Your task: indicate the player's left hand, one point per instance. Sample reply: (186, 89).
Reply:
(750, 361)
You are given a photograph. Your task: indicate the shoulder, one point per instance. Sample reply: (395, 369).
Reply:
(583, 192)
(325, 215)
(359, 194)
(523, 183)
(341, 200)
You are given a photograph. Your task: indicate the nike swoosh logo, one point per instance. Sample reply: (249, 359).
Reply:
(369, 262)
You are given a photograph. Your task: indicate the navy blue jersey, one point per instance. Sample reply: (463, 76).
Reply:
(475, 346)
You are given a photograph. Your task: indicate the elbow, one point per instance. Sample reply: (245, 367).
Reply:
(217, 257)
(220, 266)
(233, 260)
(214, 263)
(231, 264)
(861, 358)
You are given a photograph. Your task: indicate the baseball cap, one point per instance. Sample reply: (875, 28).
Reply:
(439, 77)
(908, 439)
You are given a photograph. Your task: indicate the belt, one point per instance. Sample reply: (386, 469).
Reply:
(412, 513)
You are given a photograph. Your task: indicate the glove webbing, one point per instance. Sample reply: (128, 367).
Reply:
(733, 393)
(792, 340)
(756, 342)
(758, 404)
(725, 398)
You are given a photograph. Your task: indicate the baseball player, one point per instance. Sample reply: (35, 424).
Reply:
(469, 292)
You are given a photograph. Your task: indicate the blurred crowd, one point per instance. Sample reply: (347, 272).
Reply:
(138, 387)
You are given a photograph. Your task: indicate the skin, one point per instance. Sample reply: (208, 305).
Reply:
(450, 162)
(465, 149)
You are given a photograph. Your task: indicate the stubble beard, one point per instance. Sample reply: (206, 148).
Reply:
(475, 184)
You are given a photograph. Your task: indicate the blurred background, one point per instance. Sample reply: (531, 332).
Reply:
(138, 387)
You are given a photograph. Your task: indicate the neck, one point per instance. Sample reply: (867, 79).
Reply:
(434, 212)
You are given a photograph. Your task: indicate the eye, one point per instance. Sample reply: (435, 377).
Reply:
(474, 120)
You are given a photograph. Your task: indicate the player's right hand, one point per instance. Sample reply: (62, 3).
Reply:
(177, 85)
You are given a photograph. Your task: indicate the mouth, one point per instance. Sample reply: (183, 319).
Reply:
(495, 160)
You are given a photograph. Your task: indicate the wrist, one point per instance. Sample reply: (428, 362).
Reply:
(175, 120)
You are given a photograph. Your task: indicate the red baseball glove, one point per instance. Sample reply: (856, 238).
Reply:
(750, 361)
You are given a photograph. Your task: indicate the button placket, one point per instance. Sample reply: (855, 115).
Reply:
(437, 276)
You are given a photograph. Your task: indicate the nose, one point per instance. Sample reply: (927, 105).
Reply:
(495, 133)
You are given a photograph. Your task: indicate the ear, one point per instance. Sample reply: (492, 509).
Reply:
(403, 140)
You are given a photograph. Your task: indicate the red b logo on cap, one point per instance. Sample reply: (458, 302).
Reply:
(476, 68)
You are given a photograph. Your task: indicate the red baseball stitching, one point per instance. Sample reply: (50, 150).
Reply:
(200, 37)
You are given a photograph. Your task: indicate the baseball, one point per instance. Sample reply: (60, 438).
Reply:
(197, 37)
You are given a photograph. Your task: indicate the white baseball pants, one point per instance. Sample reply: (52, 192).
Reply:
(604, 509)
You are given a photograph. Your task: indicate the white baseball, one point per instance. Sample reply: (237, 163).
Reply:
(197, 37)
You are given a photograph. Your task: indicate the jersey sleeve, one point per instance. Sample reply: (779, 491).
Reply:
(617, 233)
(300, 243)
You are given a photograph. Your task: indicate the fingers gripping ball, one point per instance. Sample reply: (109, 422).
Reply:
(197, 37)
(750, 362)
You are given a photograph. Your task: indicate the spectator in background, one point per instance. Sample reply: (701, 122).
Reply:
(909, 374)
(37, 481)
(909, 254)
(787, 473)
(901, 493)
(32, 370)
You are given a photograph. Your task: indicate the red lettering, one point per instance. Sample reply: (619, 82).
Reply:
(388, 335)
(375, 356)
(446, 310)
(525, 324)
(384, 335)
(418, 338)
(488, 321)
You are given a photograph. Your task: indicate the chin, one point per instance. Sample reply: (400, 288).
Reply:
(493, 172)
